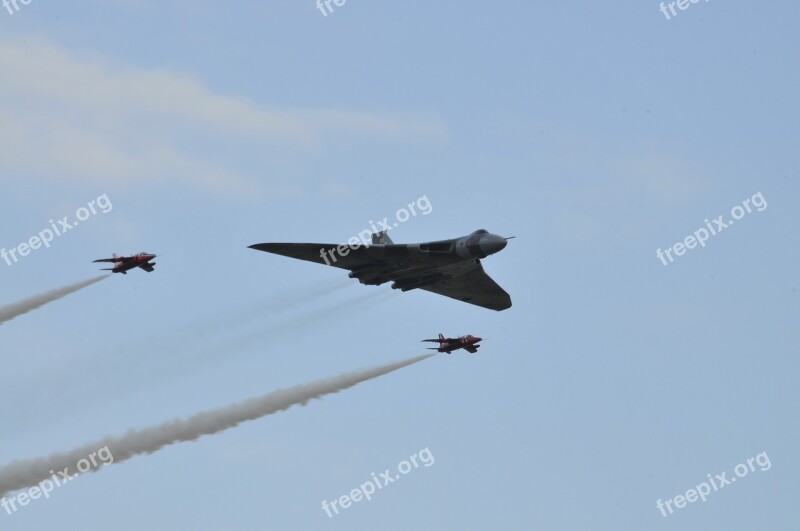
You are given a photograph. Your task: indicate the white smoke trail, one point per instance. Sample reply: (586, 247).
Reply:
(28, 473)
(171, 355)
(299, 322)
(275, 304)
(10, 311)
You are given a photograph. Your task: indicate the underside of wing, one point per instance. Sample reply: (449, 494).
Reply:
(473, 286)
(341, 256)
(378, 263)
(147, 267)
(471, 349)
(106, 260)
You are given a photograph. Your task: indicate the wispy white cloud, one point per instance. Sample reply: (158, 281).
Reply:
(83, 118)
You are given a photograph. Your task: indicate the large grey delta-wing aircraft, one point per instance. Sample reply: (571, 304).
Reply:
(448, 267)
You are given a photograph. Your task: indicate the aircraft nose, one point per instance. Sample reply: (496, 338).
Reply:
(492, 243)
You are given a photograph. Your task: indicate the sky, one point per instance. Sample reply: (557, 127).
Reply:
(651, 346)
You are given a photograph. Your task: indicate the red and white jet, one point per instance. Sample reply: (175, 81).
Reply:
(449, 344)
(125, 263)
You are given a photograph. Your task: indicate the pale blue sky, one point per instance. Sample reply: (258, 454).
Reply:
(595, 132)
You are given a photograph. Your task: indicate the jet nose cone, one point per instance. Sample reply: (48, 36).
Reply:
(492, 243)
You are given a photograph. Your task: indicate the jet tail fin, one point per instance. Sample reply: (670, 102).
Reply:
(381, 238)
(440, 340)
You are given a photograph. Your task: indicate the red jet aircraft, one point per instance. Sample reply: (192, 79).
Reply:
(449, 344)
(124, 263)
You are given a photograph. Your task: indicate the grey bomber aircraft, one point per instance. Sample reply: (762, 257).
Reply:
(448, 267)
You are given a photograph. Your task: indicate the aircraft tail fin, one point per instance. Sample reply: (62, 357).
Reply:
(381, 238)
(441, 340)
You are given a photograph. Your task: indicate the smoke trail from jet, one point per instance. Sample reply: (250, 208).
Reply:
(15, 309)
(275, 304)
(28, 473)
(313, 317)
(173, 355)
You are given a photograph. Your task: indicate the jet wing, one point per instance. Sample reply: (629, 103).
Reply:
(466, 282)
(471, 349)
(473, 286)
(147, 267)
(106, 260)
(354, 258)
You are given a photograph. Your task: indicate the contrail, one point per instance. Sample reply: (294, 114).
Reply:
(171, 355)
(28, 473)
(312, 317)
(10, 311)
(274, 304)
